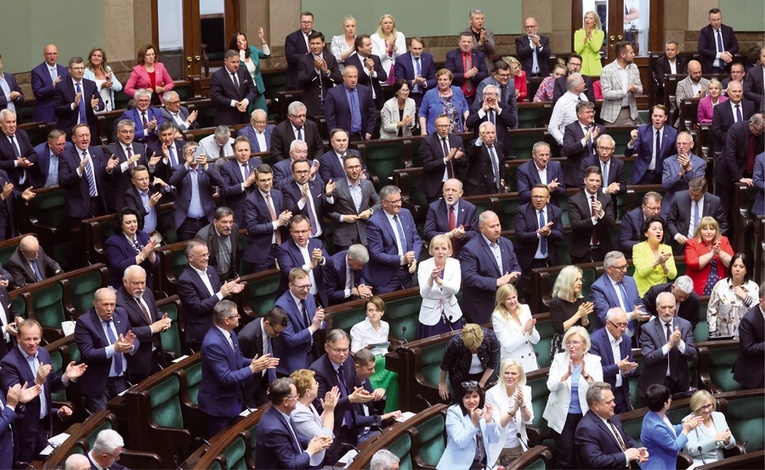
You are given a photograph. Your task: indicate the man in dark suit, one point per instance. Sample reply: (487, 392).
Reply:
(17, 155)
(680, 169)
(574, 65)
(500, 78)
(600, 438)
(171, 151)
(173, 112)
(753, 83)
(83, 173)
(222, 238)
(259, 132)
(195, 182)
(393, 243)
(144, 198)
(296, 127)
(348, 218)
(45, 173)
(295, 47)
(369, 416)
(452, 216)
(34, 425)
(104, 452)
(467, 65)
(486, 163)
(687, 300)
(104, 338)
(613, 182)
(238, 176)
(15, 96)
(265, 215)
(442, 158)
(417, 68)
(669, 64)
(317, 73)
(8, 416)
(225, 370)
(533, 50)
(309, 198)
(333, 162)
(30, 264)
(277, 442)
(296, 346)
(615, 289)
(643, 142)
(7, 201)
(351, 107)
(10, 317)
(736, 162)
(608, 343)
(592, 216)
(532, 172)
(303, 252)
(199, 289)
(491, 109)
(481, 272)
(45, 77)
(130, 153)
(732, 111)
(667, 345)
(579, 142)
(76, 99)
(335, 368)
(255, 340)
(717, 44)
(369, 67)
(689, 207)
(749, 369)
(146, 322)
(344, 275)
(146, 118)
(231, 89)
(629, 231)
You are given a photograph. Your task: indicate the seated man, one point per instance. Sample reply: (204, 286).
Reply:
(30, 264)
(370, 415)
(332, 163)
(179, 115)
(669, 64)
(343, 275)
(106, 451)
(258, 132)
(283, 170)
(615, 289)
(687, 300)
(218, 145)
(295, 127)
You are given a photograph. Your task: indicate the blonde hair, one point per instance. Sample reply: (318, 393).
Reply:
(440, 240)
(507, 363)
(706, 222)
(392, 31)
(503, 293)
(582, 333)
(699, 399)
(472, 336)
(598, 26)
(303, 379)
(564, 284)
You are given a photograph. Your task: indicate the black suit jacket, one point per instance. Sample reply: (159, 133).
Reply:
(688, 309)
(526, 239)
(731, 163)
(437, 221)
(282, 137)
(366, 80)
(575, 152)
(652, 338)
(596, 446)
(337, 110)
(76, 186)
(480, 174)
(504, 120)
(679, 217)
(662, 68)
(209, 236)
(10, 316)
(328, 378)
(581, 223)
(121, 181)
(722, 120)
(22, 271)
(749, 368)
(707, 46)
(8, 156)
(232, 192)
(197, 301)
(132, 199)
(251, 344)
(560, 88)
(223, 90)
(433, 166)
(66, 117)
(525, 54)
(7, 218)
(294, 48)
(753, 85)
(315, 85)
(140, 364)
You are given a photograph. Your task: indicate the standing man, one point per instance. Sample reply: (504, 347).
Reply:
(296, 127)
(304, 252)
(613, 182)
(442, 158)
(265, 215)
(754, 84)
(225, 370)
(76, 99)
(146, 119)
(680, 169)
(565, 109)
(173, 112)
(486, 163)
(317, 73)
(732, 111)
(621, 83)
(239, 176)
(501, 79)
(417, 68)
(491, 109)
(573, 65)
(17, 156)
(540, 170)
(309, 198)
(717, 44)
(687, 300)
(45, 77)
(231, 90)
(483, 39)
(749, 370)
(533, 50)
(629, 232)
(295, 47)
(222, 238)
(452, 216)
(688, 208)
(256, 340)
(10, 92)
(615, 289)
(259, 132)
(355, 202)
(467, 65)
(488, 262)
(130, 154)
(652, 143)
(45, 173)
(351, 107)
(369, 67)
(195, 181)
(592, 216)
(580, 142)
(30, 264)
(144, 198)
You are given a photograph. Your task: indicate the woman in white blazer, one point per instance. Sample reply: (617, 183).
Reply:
(439, 278)
(464, 420)
(706, 442)
(98, 70)
(515, 328)
(571, 374)
(387, 44)
(511, 401)
(308, 423)
(397, 113)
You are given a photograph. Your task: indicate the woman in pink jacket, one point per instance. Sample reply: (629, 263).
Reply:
(149, 74)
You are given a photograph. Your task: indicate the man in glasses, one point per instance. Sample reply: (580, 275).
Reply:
(303, 251)
(574, 65)
(687, 300)
(615, 289)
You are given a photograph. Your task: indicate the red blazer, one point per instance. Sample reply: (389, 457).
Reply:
(139, 78)
(521, 86)
(693, 250)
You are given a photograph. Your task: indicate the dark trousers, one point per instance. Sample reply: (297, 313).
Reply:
(216, 424)
(401, 279)
(337, 450)
(651, 177)
(564, 442)
(114, 386)
(593, 255)
(190, 227)
(269, 264)
(32, 440)
(525, 283)
(725, 193)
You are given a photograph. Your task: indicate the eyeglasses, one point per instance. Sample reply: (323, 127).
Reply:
(573, 343)
(394, 202)
(339, 350)
(621, 326)
(708, 406)
(469, 383)
(238, 315)
(619, 268)
(305, 287)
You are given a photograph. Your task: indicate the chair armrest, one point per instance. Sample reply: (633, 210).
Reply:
(683, 461)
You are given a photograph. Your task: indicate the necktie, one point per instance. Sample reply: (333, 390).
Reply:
(271, 372)
(83, 116)
(692, 228)
(300, 134)
(534, 61)
(304, 310)
(656, 151)
(245, 172)
(16, 152)
(618, 436)
(495, 167)
(542, 240)
(173, 157)
(417, 73)
(232, 338)
(622, 295)
(129, 153)
(468, 61)
(221, 153)
(294, 436)
(449, 165)
(38, 275)
(739, 117)
(594, 213)
(145, 312)
(402, 238)
(452, 226)
(311, 215)
(355, 116)
(93, 192)
(719, 41)
(344, 390)
(491, 117)
(144, 120)
(53, 74)
(605, 175)
(118, 366)
(589, 141)
(273, 218)
(235, 79)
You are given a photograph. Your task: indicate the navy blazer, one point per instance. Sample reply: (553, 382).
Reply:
(231, 191)
(707, 46)
(596, 446)
(43, 89)
(66, 117)
(295, 345)
(224, 370)
(39, 172)
(366, 80)
(644, 147)
(404, 68)
(437, 221)
(14, 86)
(76, 186)
(328, 378)
(479, 276)
(749, 369)
(283, 173)
(729, 167)
(294, 48)
(335, 277)
(131, 198)
(183, 113)
(197, 302)
(615, 173)
(260, 229)
(575, 152)
(121, 181)
(315, 86)
(8, 156)
(7, 417)
(527, 176)
(120, 254)
(525, 54)
(140, 363)
(454, 64)
(629, 231)
(526, 239)
(140, 135)
(165, 168)
(672, 181)
(293, 194)
(289, 257)
(384, 259)
(581, 223)
(282, 137)
(249, 132)
(604, 297)
(337, 110)
(7, 218)
(275, 445)
(22, 272)
(753, 84)
(331, 169)
(433, 166)
(679, 217)
(722, 120)
(689, 309)
(206, 179)
(92, 342)
(601, 346)
(223, 90)
(504, 120)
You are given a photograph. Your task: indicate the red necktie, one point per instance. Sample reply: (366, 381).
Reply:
(750, 155)
(452, 226)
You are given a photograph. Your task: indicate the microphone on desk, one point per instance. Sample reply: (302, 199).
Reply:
(701, 454)
(403, 334)
(449, 319)
(420, 397)
(520, 438)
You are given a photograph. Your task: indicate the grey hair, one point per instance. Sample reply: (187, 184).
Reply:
(383, 460)
(221, 131)
(595, 392)
(131, 270)
(539, 144)
(491, 86)
(348, 68)
(258, 111)
(193, 243)
(142, 92)
(612, 256)
(295, 143)
(667, 295)
(296, 106)
(336, 335)
(168, 95)
(222, 211)
(223, 310)
(5, 113)
(613, 311)
(358, 253)
(125, 123)
(107, 441)
(684, 284)
(485, 216)
(484, 125)
(389, 190)
(606, 136)
(573, 81)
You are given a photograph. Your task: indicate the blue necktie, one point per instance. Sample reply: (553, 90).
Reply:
(271, 372)
(534, 60)
(341, 378)
(38, 275)
(401, 236)
(355, 116)
(622, 295)
(118, 367)
(83, 116)
(589, 141)
(542, 240)
(657, 150)
(92, 192)
(739, 117)
(719, 62)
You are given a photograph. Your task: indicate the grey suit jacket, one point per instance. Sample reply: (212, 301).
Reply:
(346, 234)
(22, 271)
(685, 91)
(613, 91)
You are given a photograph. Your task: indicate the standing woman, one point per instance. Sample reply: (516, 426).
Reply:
(343, 45)
(707, 256)
(515, 328)
(150, 74)
(662, 439)
(308, 423)
(511, 401)
(587, 43)
(444, 99)
(387, 44)
(129, 245)
(249, 57)
(397, 113)
(653, 260)
(567, 306)
(99, 71)
(731, 298)
(439, 279)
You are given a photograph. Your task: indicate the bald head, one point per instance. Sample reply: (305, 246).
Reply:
(29, 247)
(77, 462)
(694, 71)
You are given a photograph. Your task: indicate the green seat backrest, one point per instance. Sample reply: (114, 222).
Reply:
(165, 404)
(50, 210)
(82, 289)
(416, 144)
(432, 444)
(721, 362)
(262, 294)
(523, 143)
(74, 352)
(171, 341)
(401, 448)
(746, 419)
(253, 436)
(508, 209)
(542, 348)
(636, 401)
(539, 394)
(179, 262)
(48, 305)
(530, 117)
(430, 361)
(58, 363)
(91, 438)
(701, 332)
(402, 313)
(20, 306)
(193, 377)
(621, 136)
(382, 159)
(235, 453)
(632, 428)
(170, 235)
(6, 253)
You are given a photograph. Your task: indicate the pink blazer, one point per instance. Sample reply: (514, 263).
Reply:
(139, 78)
(706, 110)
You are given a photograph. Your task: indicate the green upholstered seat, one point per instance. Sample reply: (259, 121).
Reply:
(402, 313)
(431, 439)
(235, 453)
(701, 332)
(48, 305)
(166, 405)
(57, 361)
(171, 341)
(746, 419)
(262, 294)
(537, 380)
(430, 361)
(721, 360)
(74, 352)
(81, 290)
(402, 448)
(20, 306)
(91, 438)
(542, 348)
(193, 377)
(384, 156)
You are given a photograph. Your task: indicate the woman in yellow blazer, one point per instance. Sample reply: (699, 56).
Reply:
(587, 43)
(652, 259)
